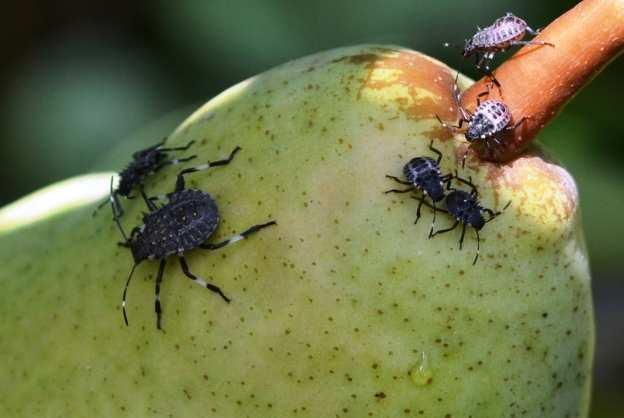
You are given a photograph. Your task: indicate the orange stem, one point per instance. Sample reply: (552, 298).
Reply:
(539, 80)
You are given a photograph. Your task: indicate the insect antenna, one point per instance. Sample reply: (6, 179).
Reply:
(123, 300)
(451, 45)
(100, 206)
(109, 198)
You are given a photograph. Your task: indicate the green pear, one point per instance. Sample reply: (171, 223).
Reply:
(345, 308)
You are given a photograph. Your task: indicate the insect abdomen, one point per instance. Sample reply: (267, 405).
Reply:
(188, 220)
(500, 34)
(420, 168)
(496, 112)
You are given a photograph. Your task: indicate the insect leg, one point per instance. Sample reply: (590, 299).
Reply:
(149, 202)
(532, 31)
(100, 206)
(480, 95)
(157, 306)
(438, 153)
(463, 163)
(479, 60)
(174, 162)
(532, 43)
(446, 179)
(429, 205)
(493, 214)
(487, 60)
(134, 231)
(469, 183)
(201, 281)
(183, 148)
(398, 180)
(435, 210)
(451, 127)
(180, 179)
(116, 212)
(420, 203)
(399, 191)
(236, 238)
(522, 120)
(484, 67)
(442, 231)
(478, 241)
(461, 238)
(123, 299)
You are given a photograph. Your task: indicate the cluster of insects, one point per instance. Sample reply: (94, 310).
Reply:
(175, 223)
(491, 118)
(423, 175)
(186, 218)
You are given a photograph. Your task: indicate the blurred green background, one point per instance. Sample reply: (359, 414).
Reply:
(78, 77)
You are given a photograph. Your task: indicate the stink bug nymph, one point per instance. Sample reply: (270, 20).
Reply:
(185, 222)
(144, 163)
(505, 32)
(490, 120)
(424, 174)
(467, 211)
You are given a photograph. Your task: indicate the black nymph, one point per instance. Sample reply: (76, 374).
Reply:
(423, 174)
(144, 163)
(185, 222)
(467, 211)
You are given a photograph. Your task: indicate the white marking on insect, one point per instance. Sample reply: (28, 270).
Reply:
(236, 238)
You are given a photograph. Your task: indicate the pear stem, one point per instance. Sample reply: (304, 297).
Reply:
(539, 79)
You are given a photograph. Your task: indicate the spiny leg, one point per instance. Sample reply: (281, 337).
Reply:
(183, 148)
(398, 180)
(123, 299)
(201, 281)
(477, 255)
(157, 306)
(236, 238)
(180, 180)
